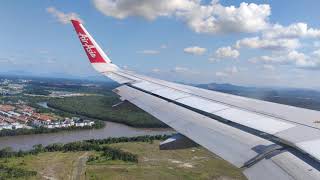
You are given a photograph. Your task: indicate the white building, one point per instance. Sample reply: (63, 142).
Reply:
(16, 125)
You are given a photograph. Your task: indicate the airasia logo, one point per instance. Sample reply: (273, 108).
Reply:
(85, 43)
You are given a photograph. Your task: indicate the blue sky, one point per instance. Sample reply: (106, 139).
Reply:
(261, 43)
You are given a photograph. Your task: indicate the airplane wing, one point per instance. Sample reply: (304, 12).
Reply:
(267, 140)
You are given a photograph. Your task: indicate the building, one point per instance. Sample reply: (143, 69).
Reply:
(23, 119)
(16, 125)
(14, 113)
(25, 109)
(6, 108)
(3, 113)
(5, 126)
(43, 117)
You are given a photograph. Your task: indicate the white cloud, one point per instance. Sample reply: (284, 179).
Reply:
(268, 67)
(221, 74)
(300, 59)
(183, 70)
(296, 58)
(227, 72)
(149, 52)
(180, 69)
(7, 60)
(296, 30)
(214, 59)
(271, 44)
(148, 9)
(227, 52)
(316, 53)
(163, 46)
(202, 18)
(195, 50)
(63, 18)
(216, 18)
(155, 70)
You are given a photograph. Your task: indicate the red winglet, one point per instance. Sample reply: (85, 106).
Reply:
(92, 49)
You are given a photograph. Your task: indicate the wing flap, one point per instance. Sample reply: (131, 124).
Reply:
(256, 121)
(229, 143)
(292, 166)
(235, 146)
(264, 123)
(203, 104)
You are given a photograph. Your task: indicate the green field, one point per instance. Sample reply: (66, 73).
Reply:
(192, 163)
(100, 107)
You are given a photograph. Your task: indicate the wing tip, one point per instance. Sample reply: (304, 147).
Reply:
(75, 21)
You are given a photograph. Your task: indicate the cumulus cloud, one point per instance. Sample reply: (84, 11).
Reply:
(149, 52)
(216, 18)
(148, 9)
(270, 44)
(296, 30)
(202, 18)
(227, 52)
(63, 18)
(195, 50)
(296, 58)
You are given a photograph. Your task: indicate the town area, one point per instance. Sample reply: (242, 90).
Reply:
(23, 116)
(17, 113)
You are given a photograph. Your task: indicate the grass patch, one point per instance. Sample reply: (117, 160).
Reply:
(56, 165)
(192, 163)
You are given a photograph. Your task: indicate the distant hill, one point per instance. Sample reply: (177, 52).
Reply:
(225, 87)
(304, 98)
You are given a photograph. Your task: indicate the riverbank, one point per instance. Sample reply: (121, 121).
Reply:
(101, 107)
(25, 142)
(42, 130)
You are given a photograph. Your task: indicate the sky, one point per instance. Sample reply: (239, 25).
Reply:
(253, 43)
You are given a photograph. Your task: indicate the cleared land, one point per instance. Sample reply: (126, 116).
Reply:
(193, 163)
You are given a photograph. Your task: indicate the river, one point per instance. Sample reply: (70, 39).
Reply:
(111, 129)
(25, 142)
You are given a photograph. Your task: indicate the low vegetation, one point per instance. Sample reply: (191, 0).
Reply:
(14, 173)
(41, 130)
(104, 153)
(86, 145)
(100, 107)
(114, 158)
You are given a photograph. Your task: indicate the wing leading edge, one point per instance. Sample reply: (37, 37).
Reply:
(267, 140)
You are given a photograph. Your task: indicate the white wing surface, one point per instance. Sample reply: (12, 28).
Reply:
(267, 140)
